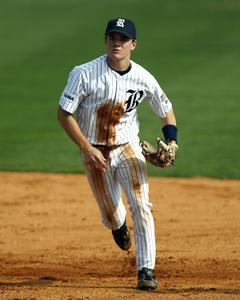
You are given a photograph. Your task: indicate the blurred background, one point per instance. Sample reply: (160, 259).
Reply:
(192, 48)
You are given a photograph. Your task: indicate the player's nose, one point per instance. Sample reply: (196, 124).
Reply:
(116, 43)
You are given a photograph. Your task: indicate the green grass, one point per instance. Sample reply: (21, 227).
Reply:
(192, 48)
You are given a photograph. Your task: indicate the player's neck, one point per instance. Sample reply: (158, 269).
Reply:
(118, 65)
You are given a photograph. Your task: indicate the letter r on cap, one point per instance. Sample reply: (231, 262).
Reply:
(120, 22)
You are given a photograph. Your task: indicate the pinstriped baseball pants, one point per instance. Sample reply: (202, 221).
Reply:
(126, 169)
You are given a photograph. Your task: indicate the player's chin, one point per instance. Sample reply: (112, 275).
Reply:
(116, 56)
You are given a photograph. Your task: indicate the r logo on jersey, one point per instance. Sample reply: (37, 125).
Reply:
(133, 100)
(120, 23)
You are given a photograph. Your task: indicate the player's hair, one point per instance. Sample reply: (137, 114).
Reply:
(105, 38)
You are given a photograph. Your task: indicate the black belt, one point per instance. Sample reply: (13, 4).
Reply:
(111, 147)
(105, 149)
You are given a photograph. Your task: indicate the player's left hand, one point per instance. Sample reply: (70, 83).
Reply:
(163, 156)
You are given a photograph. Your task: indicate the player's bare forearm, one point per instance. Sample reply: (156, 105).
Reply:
(69, 124)
(71, 127)
(169, 119)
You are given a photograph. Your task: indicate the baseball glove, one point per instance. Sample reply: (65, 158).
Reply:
(163, 156)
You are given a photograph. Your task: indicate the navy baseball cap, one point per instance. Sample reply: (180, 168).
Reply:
(121, 25)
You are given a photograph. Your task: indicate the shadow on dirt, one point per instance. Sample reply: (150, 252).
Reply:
(47, 281)
(41, 281)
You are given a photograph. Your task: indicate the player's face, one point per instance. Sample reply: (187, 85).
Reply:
(119, 46)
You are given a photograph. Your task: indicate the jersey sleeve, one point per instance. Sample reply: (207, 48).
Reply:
(158, 100)
(74, 91)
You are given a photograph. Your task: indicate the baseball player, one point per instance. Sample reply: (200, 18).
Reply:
(98, 110)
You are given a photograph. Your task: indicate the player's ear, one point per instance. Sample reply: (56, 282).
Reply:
(134, 44)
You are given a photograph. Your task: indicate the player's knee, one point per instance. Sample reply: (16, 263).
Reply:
(141, 207)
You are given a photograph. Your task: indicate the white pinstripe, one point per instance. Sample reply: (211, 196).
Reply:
(126, 162)
(93, 84)
(105, 105)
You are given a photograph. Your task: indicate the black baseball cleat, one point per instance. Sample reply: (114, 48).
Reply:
(122, 237)
(146, 279)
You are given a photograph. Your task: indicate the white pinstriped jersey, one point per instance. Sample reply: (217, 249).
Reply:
(105, 102)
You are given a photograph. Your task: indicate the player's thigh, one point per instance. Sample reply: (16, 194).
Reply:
(132, 173)
(104, 185)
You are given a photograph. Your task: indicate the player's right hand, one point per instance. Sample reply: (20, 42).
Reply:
(94, 158)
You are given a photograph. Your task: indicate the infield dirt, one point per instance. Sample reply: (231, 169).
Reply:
(53, 245)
